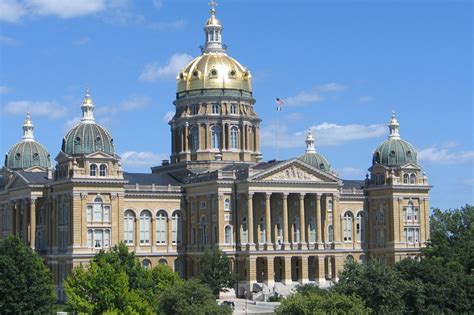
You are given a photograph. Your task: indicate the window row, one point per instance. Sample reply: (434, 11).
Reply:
(216, 138)
(409, 179)
(98, 238)
(215, 109)
(100, 171)
(411, 213)
(145, 224)
(411, 235)
(98, 211)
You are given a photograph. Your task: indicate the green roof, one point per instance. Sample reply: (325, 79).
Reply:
(26, 154)
(88, 137)
(394, 152)
(316, 160)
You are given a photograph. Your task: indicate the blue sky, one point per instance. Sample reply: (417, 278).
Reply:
(341, 66)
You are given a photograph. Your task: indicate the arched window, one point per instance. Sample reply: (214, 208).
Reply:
(261, 225)
(77, 145)
(233, 107)
(330, 233)
(416, 213)
(406, 178)
(412, 179)
(93, 170)
(409, 212)
(228, 234)
(360, 228)
(145, 219)
(279, 230)
(98, 144)
(350, 258)
(234, 136)
(146, 263)
(245, 237)
(215, 106)
(97, 211)
(227, 204)
(216, 137)
(163, 261)
(194, 109)
(103, 170)
(381, 216)
(296, 229)
(392, 158)
(312, 230)
(129, 227)
(177, 227)
(194, 139)
(329, 205)
(347, 227)
(203, 230)
(161, 227)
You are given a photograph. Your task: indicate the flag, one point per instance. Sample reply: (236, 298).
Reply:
(279, 103)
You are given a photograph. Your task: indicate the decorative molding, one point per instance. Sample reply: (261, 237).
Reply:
(84, 196)
(294, 173)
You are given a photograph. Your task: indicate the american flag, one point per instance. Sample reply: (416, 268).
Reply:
(279, 103)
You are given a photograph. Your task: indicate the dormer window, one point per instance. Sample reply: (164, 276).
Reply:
(213, 73)
(195, 74)
(232, 74)
(77, 144)
(17, 156)
(98, 143)
(93, 170)
(413, 179)
(35, 157)
(103, 170)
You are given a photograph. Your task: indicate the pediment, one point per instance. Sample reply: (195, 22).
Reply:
(98, 155)
(294, 171)
(35, 169)
(411, 166)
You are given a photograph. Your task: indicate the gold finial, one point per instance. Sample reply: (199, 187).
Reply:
(87, 98)
(213, 5)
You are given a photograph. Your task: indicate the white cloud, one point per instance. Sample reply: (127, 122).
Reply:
(8, 40)
(444, 156)
(314, 95)
(66, 9)
(48, 109)
(11, 11)
(83, 41)
(154, 71)
(142, 159)
(366, 99)
(5, 90)
(168, 115)
(350, 172)
(326, 134)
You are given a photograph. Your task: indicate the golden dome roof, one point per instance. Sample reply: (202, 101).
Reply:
(213, 21)
(214, 70)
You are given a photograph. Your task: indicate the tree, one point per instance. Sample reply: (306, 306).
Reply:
(380, 286)
(98, 288)
(312, 302)
(216, 271)
(26, 284)
(189, 297)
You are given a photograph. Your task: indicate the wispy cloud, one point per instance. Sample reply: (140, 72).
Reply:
(314, 95)
(167, 116)
(154, 71)
(366, 99)
(11, 11)
(49, 109)
(9, 41)
(82, 41)
(142, 159)
(445, 156)
(5, 90)
(326, 134)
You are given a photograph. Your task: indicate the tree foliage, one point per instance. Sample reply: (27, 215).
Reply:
(216, 271)
(321, 302)
(190, 297)
(26, 284)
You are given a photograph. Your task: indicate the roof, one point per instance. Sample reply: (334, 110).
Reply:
(35, 177)
(266, 165)
(25, 154)
(349, 184)
(150, 179)
(236, 167)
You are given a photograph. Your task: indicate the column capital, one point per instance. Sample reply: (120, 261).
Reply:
(285, 195)
(250, 195)
(268, 195)
(302, 195)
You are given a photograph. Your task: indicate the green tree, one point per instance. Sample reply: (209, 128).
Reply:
(380, 286)
(312, 302)
(98, 288)
(216, 271)
(189, 297)
(26, 284)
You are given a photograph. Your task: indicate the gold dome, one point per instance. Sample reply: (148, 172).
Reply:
(213, 21)
(214, 70)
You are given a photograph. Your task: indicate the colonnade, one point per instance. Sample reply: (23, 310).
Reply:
(18, 217)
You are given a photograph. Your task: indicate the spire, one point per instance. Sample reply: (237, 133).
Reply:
(310, 142)
(213, 30)
(393, 126)
(28, 128)
(87, 108)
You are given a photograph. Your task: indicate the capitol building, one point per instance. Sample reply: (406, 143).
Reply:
(281, 222)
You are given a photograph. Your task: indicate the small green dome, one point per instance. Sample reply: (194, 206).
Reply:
(311, 157)
(394, 151)
(26, 154)
(316, 160)
(88, 136)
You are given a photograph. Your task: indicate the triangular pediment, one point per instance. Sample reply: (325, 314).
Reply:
(294, 171)
(35, 169)
(411, 166)
(98, 155)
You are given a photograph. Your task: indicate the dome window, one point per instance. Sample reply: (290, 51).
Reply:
(98, 143)
(321, 166)
(17, 156)
(232, 74)
(195, 74)
(214, 72)
(77, 144)
(181, 76)
(377, 157)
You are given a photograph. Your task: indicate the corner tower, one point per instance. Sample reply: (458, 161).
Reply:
(215, 118)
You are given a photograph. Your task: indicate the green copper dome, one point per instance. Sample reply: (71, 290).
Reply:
(87, 136)
(394, 151)
(27, 152)
(311, 157)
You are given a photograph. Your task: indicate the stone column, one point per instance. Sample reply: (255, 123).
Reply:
(32, 223)
(137, 231)
(268, 220)
(186, 136)
(321, 273)
(270, 274)
(169, 234)
(250, 219)
(302, 220)
(287, 270)
(426, 219)
(257, 139)
(208, 137)
(336, 219)
(285, 219)
(17, 208)
(318, 219)
(304, 269)
(252, 270)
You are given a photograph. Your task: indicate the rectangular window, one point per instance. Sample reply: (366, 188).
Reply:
(97, 212)
(98, 238)
(107, 238)
(161, 231)
(106, 213)
(89, 213)
(203, 205)
(89, 238)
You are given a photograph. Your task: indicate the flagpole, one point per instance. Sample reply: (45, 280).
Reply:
(276, 134)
